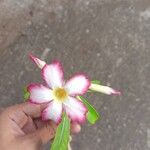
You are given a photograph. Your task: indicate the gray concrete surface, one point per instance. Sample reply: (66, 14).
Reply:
(107, 39)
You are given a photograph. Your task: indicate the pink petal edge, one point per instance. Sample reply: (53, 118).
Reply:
(37, 61)
(33, 102)
(116, 92)
(74, 119)
(59, 65)
(30, 87)
(86, 87)
(33, 85)
(44, 118)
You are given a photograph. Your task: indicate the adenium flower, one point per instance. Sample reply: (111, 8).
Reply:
(60, 95)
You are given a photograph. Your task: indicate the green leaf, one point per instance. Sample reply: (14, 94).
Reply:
(62, 135)
(92, 115)
(26, 94)
(96, 82)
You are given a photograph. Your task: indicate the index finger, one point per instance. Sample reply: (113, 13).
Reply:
(30, 109)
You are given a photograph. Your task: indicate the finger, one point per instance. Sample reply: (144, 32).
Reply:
(39, 123)
(44, 134)
(30, 109)
(47, 132)
(75, 128)
(20, 113)
(1, 109)
(19, 117)
(33, 124)
(29, 127)
(33, 110)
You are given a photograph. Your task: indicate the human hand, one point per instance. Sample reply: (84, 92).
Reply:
(22, 129)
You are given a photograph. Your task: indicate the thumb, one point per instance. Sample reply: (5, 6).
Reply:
(44, 134)
(47, 132)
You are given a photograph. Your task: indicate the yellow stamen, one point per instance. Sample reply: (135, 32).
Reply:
(60, 94)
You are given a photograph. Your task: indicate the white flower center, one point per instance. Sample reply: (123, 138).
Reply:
(60, 94)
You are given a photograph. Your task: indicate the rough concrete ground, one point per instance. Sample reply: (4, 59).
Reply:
(107, 39)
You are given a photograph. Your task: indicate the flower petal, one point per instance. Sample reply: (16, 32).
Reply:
(39, 93)
(104, 89)
(53, 111)
(77, 85)
(53, 74)
(75, 109)
(37, 61)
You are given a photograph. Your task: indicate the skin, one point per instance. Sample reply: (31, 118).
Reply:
(22, 129)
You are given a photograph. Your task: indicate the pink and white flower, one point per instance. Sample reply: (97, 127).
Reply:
(60, 95)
